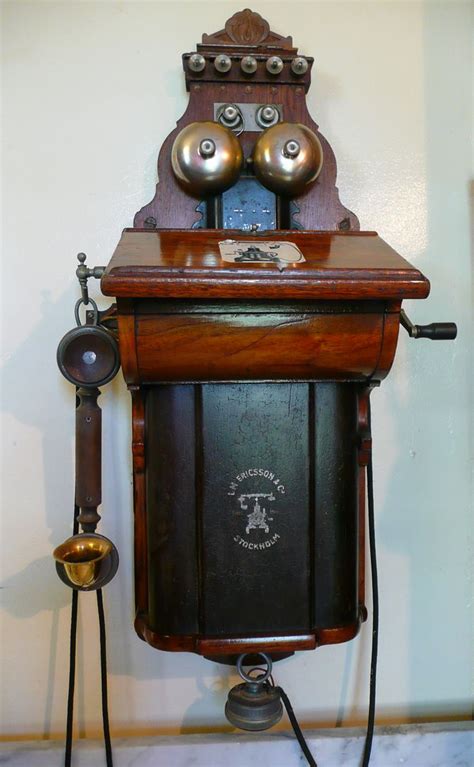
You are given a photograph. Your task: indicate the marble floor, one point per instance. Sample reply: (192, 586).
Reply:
(428, 745)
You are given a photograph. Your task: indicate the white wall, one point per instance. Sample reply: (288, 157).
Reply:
(90, 92)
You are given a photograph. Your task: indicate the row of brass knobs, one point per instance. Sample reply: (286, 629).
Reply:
(248, 64)
(207, 158)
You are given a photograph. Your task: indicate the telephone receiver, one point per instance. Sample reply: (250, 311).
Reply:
(88, 357)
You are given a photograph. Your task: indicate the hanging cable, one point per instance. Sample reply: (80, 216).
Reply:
(375, 609)
(103, 675)
(296, 728)
(72, 671)
(375, 635)
(72, 662)
(72, 679)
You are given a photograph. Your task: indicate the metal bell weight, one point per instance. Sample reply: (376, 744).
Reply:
(255, 704)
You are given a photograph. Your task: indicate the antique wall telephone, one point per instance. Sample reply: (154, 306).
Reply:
(253, 318)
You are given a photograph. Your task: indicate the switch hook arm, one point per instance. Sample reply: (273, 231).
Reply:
(83, 273)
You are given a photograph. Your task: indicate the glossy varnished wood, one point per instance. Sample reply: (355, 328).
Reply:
(271, 643)
(188, 265)
(199, 343)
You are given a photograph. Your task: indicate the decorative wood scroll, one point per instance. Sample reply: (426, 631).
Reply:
(247, 28)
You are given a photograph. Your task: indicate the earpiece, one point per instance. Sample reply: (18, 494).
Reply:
(206, 158)
(88, 356)
(287, 158)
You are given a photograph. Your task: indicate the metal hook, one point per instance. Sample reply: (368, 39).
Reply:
(246, 677)
(94, 307)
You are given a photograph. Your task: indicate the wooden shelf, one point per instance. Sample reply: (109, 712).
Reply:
(187, 264)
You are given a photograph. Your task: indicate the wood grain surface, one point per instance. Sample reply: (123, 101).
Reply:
(187, 264)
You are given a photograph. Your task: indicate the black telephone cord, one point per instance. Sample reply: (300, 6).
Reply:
(375, 635)
(72, 671)
(375, 609)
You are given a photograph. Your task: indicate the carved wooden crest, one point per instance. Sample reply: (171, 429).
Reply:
(247, 28)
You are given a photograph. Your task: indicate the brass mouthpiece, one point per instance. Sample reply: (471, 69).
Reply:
(86, 561)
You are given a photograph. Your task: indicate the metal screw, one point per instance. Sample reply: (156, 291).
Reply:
(267, 115)
(291, 148)
(299, 66)
(89, 357)
(197, 62)
(207, 148)
(230, 113)
(230, 116)
(274, 65)
(248, 64)
(222, 63)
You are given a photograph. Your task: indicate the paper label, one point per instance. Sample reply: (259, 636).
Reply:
(280, 253)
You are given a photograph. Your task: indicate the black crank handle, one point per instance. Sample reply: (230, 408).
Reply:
(437, 331)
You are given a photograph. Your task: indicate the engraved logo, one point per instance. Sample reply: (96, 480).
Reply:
(257, 494)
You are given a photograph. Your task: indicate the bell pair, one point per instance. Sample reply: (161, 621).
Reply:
(207, 158)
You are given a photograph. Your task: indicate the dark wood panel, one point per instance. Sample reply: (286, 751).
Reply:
(173, 592)
(335, 568)
(139, 498)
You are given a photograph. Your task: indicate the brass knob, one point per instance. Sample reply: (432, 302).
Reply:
(287, 158)
(206, 158)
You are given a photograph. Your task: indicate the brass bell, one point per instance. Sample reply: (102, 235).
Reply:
(206, 158)
(287, 158)
(86, 561)
(256, 704)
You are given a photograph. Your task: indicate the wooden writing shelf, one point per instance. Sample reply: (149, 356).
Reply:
(187, 264)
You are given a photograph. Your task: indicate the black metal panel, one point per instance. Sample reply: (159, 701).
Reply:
(248, 204)
(335, 569)
(171, 509)
(255, 509)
